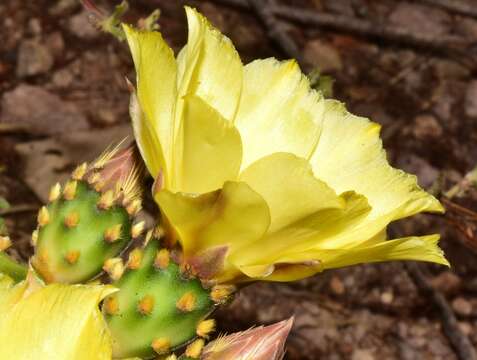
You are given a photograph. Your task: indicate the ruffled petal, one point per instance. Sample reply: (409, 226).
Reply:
(295, 266)
(291, 191)
(350, 156)
(419, 248)
(209, 69)
(212, 148)
(209, 66)
(156, 72)
(57, 322)
(278, 111)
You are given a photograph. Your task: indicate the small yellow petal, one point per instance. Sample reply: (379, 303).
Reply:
(233, 216)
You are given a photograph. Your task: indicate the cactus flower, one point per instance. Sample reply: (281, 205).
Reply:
(256, 174)
(260, 343)
(54, 322)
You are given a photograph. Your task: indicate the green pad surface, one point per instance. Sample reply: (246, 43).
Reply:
(55, 239)
(134, 332)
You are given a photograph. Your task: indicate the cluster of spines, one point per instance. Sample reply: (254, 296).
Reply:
(121, 191)
(71, 220)
(5, 242)
(144, 266)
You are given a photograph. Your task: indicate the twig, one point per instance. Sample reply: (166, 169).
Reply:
(461, 210)
(462, 186)
(457, 7)
(465, 229)
(11, 128)
(275, 29)
(450, 46)
(460, 342)
(18, 209)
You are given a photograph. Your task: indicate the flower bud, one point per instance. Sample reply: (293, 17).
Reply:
(261, 343)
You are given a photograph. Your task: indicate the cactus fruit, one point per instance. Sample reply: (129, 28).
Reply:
(158, 307)
(90, 220)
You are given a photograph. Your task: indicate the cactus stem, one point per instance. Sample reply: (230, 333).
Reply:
(162, 259)
(34, 237)
(114, 267)
(111, 305)
(195, 348)
(221, 293)
(205, 327)
(54, 192)
(79, 172)
(69, 191)
(137, 229)
(161, 345)
(71, 220)
(134, 207)
(146, 305)
(5, 242)
(72, 256)
(43, 216)
(187, 302)
(106, 200)
(135, 259)
(113, 233)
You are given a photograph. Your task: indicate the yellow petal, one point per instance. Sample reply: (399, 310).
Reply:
(295, 266)
(328, 228)
(57, 322)
(233, 216)
(283, 272)
(291, 191)
(156, 72)
(278, 111)
(420, 248)
(10, 293)
(349, 156)
(212, 148)
(210, 67)
(146, 139)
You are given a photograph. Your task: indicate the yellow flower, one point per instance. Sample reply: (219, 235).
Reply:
(259, 176)
(52, 322)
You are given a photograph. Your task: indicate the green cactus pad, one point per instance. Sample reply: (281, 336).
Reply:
(73, 254)
(135, 328)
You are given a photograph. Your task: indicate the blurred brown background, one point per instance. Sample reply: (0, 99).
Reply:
(409, 65)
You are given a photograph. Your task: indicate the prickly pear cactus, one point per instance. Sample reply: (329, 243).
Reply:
(89, 220)
(158, 308)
